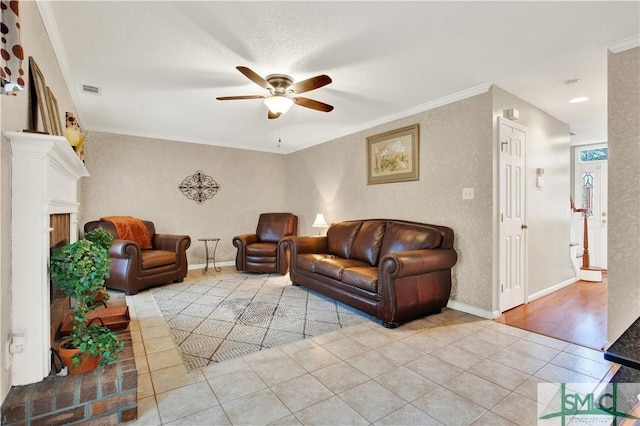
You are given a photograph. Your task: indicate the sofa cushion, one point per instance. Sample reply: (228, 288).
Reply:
(308, 261)
(404, 237)
(340, 237)
(261, 249)
(365, 278)
(155, 258)
(366, 246)
(332, 267)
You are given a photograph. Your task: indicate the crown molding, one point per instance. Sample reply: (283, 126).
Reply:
(625, 44)
(445, 100)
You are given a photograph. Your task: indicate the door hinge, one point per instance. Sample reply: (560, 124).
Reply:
(501, 217)
(501, 288)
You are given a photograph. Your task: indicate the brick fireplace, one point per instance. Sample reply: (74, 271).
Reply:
(44, 179)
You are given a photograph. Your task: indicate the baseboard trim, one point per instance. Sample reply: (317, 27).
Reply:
(463, 307)
(551, 289)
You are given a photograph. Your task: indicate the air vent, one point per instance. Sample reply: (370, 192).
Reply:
(91, 89)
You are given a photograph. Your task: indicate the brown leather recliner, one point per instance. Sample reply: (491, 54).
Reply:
(263, 251)
(133, 269)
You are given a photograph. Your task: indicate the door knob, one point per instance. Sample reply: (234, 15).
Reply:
(523, 226)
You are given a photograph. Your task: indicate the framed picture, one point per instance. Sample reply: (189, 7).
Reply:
(54, 113)
(394, 156)
(41, 97)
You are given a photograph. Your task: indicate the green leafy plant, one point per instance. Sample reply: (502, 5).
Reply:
(79, 269)
(103, 239)
(100, 237)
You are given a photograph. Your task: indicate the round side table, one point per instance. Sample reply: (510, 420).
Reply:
(206, 254)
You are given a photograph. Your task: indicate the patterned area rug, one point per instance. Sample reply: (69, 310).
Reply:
(227, 314)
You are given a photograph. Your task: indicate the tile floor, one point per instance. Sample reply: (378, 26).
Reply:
(450, 369)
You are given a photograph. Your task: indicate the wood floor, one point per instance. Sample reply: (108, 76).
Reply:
(576, 314)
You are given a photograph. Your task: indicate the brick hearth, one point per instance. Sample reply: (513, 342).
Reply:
(106, 395)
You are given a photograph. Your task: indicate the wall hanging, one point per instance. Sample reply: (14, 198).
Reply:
(394, 156)
(199, 187)
(11, 70)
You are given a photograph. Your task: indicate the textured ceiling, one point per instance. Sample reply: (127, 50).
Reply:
(160, 65)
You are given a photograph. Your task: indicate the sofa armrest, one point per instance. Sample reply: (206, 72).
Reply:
(417, 262)
(171, 242)
(241, 242)
(306, 244)
(124, 249)
(244, 240)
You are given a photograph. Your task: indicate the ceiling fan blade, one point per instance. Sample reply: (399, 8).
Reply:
(313, 104)
(253, 76)
(235, 98)
(310, 84)
(273, 115)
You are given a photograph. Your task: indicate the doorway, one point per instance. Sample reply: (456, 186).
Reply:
(577, 313)
(512, 141)
(590, 193)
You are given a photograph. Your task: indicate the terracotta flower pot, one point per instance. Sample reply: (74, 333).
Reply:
(101, 294)
(87, 362)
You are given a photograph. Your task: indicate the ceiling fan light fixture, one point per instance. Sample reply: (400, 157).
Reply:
(278, 104)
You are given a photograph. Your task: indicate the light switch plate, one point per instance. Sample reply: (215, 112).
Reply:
(467, 193)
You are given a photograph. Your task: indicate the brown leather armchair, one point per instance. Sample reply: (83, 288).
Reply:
(133, 269)
(264, 251)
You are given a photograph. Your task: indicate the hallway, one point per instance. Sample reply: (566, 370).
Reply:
(576, 314)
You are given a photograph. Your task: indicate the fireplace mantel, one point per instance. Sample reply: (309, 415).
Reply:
(44, 180)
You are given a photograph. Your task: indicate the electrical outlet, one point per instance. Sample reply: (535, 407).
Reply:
(467, 193)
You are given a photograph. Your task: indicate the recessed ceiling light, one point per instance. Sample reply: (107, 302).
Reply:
(579, 99)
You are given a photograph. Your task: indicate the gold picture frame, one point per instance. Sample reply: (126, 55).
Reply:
(54, 113)
(41, 97)
(394, 156)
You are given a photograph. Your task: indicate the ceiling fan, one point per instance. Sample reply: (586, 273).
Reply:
(282, 92)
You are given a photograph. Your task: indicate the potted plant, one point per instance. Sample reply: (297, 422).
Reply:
(79, 269)
(105, 240)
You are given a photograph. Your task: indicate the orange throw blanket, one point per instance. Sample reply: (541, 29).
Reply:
(131, 228)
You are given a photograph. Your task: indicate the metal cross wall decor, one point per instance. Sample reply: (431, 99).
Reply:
(199, 187)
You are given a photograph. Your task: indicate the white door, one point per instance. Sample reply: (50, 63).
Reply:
(591, 193)
(512, 140)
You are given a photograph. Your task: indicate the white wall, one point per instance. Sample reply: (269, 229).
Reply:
(139, 177)
(624, 191)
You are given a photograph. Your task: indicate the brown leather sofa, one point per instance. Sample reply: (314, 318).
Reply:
(395, 270)
(133, 269)
(263, 250)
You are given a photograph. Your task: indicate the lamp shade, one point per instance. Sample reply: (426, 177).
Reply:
(278, 104)
(320, 222)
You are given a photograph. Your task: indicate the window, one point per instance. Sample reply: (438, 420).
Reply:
(587, 192)
(594, 154)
